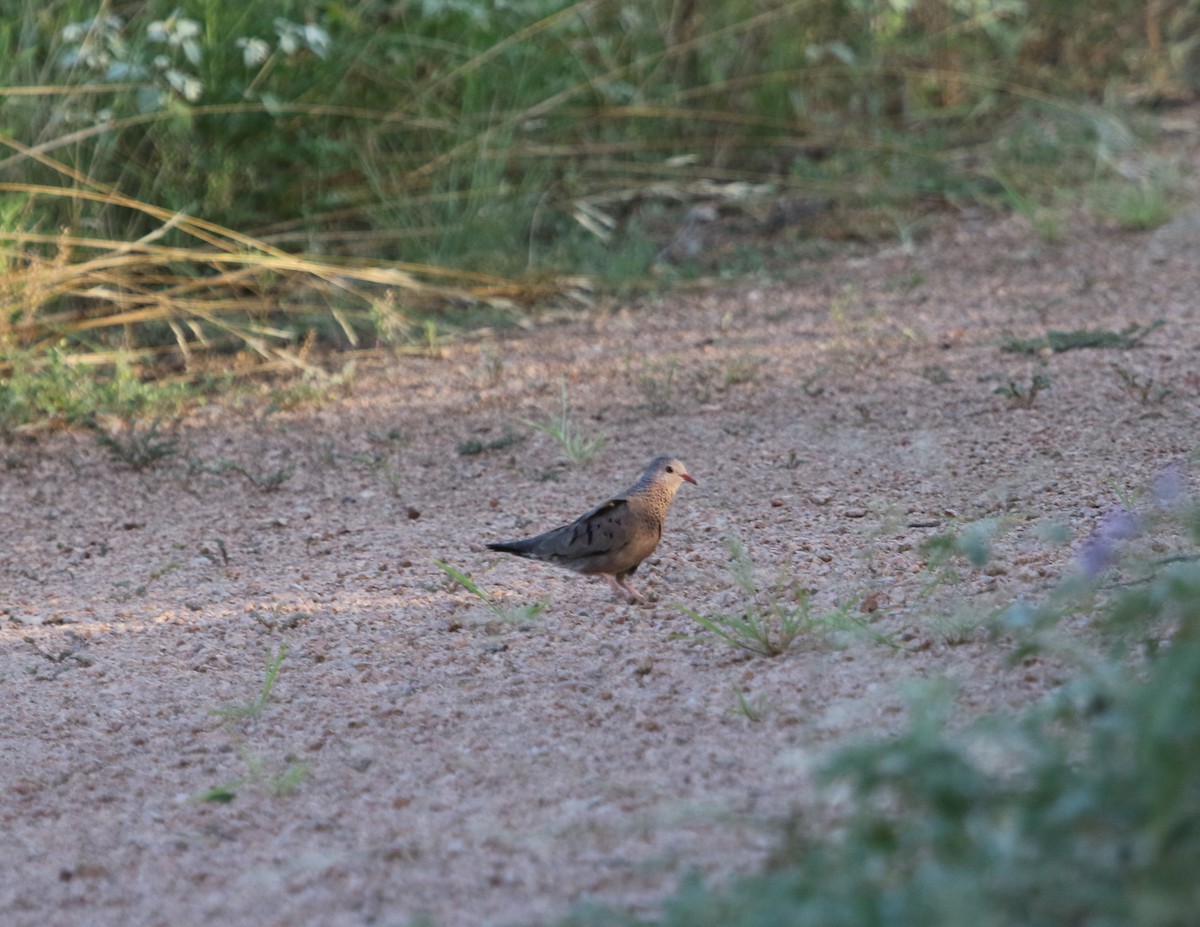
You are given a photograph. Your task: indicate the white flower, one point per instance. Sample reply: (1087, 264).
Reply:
(254, 51)
(191, 50)
(293, 36)
(185, 85)
(192, 89)
(317, 39)
(186, 29)
(177, 32)
(124, 70)
(97, 42)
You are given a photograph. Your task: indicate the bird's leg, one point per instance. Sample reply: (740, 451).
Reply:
(621, 588)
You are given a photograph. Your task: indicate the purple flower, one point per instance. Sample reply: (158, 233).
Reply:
(1100, 549)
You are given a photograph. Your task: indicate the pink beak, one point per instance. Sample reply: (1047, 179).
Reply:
(686, 476)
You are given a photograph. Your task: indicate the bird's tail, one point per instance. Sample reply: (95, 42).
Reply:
(520, 548)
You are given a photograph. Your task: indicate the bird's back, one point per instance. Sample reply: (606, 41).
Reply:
(612, 538)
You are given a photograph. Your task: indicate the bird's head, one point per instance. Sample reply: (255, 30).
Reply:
(668, 472)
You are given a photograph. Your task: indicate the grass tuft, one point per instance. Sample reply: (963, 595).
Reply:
(255, 707)
(137, 446)
(294, 772)
(519, 616)
(772, 619)
(754, 708)
(1144, 389)
(580, 448)
(1021, 396)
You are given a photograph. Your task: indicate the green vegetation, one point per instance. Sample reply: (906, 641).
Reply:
(1143, 389)
(752, 708)
(772, 618)
(255, 707)
(517, 615)
(1083, 810)
(580, 448)
(473, 446)
(1058, 341)
(138, 447)
(1021, 396)
(265, 480)
(236, 718)
(1135, 206)
(59, 661)
(55, 387)
(184, 181)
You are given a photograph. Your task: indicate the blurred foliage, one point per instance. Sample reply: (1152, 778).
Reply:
(452, 131)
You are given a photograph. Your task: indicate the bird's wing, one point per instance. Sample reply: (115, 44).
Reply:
(604, 530)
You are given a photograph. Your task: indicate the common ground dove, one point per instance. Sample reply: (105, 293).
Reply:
(613, 538)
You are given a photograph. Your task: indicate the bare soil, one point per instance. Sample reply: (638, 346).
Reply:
(418, 754)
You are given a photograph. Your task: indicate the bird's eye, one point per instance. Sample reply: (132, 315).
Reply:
(670, 469)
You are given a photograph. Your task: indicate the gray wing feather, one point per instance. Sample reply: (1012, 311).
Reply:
(603, 530)
(612, 538)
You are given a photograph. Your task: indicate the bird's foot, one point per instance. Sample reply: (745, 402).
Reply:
(622, 589)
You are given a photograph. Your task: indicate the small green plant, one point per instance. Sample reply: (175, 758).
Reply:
(285, 783)
(59, 661)
(1058, 341)
(1023, 397)
(944, 551)
(431, 340)
(754, 709)
(138, 447)
(656, 383)
(741, 369)
(255, 707)
(159, 572)
(127, 591)
(772, 619)
(1135, 206)
(1145, 391)
(280, 618)
(519, 615)
(580, 449)
(473, 446)
(266, 481)
(235, 717)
